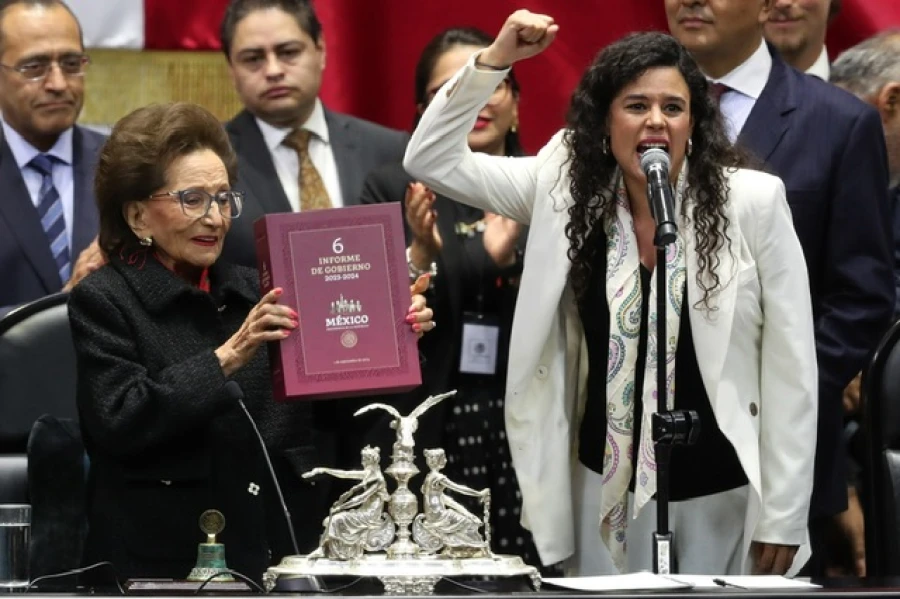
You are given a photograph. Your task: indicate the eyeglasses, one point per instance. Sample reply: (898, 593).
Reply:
(196, 203)
(36, 69)
(499, 95)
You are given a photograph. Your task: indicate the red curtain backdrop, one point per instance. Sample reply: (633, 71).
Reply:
(373, 45)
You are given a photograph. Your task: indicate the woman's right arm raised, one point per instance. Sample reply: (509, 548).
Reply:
(438, 152)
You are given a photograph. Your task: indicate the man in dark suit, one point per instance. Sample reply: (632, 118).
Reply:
(871, 71)
(828, 148)
(293, 154)
(48, 220)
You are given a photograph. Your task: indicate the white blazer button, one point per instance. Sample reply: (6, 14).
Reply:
(542, 372)
(753, 409)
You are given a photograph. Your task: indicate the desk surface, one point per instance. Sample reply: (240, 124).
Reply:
(837, 588)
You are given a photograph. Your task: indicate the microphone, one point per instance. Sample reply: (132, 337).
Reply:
(233, 391)
(655, 163)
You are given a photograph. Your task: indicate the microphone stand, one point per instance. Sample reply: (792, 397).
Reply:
(669, 427)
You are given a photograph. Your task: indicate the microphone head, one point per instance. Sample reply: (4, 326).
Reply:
(233, 391)
(656, 156)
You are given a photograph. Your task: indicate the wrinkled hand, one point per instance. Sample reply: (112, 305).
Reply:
(852, 395)
(90, 259)
(852, 524)
(525, 34)
(420, 315)
(769, 558)
(500, 237)
(267, 321)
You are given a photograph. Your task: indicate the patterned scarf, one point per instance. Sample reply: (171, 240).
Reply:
(623, 292)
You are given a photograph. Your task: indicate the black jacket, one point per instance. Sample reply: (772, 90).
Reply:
(165, 443)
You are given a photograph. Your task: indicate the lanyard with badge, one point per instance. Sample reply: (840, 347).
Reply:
(481, 332)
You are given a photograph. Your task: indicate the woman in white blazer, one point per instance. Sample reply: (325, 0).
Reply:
(577, 410)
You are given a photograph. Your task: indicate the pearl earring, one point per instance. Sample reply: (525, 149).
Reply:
(146, 241)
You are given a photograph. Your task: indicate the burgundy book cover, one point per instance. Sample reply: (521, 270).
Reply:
(344, 271)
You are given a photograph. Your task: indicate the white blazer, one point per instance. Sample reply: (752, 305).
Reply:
(756, 352)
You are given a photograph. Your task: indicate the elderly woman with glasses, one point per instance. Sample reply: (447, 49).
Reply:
(158, 331)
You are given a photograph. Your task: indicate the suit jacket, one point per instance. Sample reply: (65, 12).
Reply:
(758, 366)
(165, 441)
(895, 206)
(358, 146)
(27, 267)
(828, 148)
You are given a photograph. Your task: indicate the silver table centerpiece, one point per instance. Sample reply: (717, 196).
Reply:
(370, 532)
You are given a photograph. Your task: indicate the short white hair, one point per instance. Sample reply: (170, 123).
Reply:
(870, 65)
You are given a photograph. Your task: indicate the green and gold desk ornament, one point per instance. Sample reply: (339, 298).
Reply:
(211, 555)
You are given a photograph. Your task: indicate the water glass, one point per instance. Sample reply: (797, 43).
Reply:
(15, 538)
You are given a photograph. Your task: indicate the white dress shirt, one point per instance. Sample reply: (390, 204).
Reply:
(287, 163)
(746, 82)
(821, 68)
(63, 175)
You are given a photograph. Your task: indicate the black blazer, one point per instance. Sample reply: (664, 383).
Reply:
(358, 146)
(828, 148)
(165, 443)
(27, 268)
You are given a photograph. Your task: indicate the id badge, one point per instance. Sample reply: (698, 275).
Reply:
(480, 342)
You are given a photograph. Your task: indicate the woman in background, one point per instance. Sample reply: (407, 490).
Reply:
(475, 259)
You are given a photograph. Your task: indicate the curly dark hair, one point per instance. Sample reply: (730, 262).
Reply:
(591, 169)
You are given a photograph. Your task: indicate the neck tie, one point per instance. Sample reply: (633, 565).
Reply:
(716, 90)
(50, 209)
(313, 195)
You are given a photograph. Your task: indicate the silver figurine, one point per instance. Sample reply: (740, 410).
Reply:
(357, 521)
(370, 532)
(444, 523)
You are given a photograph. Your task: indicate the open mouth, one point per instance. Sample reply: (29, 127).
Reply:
(481, 123)
(650, 145)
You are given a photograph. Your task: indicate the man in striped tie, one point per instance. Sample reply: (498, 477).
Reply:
(48, 221)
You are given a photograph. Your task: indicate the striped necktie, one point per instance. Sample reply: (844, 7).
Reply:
(50, 209)
(313, 195)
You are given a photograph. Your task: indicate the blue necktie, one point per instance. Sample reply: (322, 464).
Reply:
(50, 209)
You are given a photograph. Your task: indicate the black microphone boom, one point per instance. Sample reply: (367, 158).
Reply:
(234, 391)
(655, 163)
